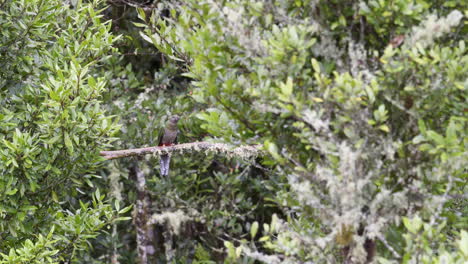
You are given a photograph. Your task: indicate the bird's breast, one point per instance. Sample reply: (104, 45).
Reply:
(169, 137)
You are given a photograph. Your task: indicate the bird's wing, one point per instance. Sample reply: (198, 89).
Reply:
(176, 140)
(160, 136)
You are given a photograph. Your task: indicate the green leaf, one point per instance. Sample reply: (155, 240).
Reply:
(141, 13)
(287, 89)
(231, 249)
(12, 191)
(418, 139)
(141, 25)
(451, 132)
(274, 223)
(123, 218)
(273, 150)
(384, 128)
(68, 143)
(146, 37)
(315, 65)
(413, 225)
(9, 145)
(126, 209)
(422, 126)
(55, 197)
(253, 229)
(463, 243)
(439, 140)
(91, 81)
(98, 194)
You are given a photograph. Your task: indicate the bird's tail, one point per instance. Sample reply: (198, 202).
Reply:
(165, 159)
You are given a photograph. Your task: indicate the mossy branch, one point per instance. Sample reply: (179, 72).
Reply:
(244, 152)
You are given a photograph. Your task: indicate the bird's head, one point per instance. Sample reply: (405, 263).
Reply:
(172, 122)
(174, 118)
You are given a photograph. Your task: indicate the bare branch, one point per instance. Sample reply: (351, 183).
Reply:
(244, 152)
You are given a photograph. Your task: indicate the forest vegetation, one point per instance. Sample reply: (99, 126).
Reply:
(310, 131)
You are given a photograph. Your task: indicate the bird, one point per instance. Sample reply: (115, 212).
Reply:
(167, 138)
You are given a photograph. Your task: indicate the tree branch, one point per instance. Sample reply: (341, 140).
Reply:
(245, 152)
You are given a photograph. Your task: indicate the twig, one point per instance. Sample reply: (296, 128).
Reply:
(241, 151)
(399, 106)
(384, 241)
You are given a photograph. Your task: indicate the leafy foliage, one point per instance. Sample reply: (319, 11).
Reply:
(346, 120)
(51, 128)
(359, 106)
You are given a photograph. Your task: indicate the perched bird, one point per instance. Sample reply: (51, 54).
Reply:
(167, 138)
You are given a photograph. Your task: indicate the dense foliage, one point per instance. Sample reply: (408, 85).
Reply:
(359, 109)
(51, 124)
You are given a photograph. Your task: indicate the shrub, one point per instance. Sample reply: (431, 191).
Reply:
(52, 126)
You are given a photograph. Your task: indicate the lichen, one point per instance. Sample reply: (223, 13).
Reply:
(433, 28)
(173, 219)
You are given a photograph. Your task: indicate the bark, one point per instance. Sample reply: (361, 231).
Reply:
(143, 229)
(168, 242)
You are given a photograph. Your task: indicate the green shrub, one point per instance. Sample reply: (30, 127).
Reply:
(52, 126)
